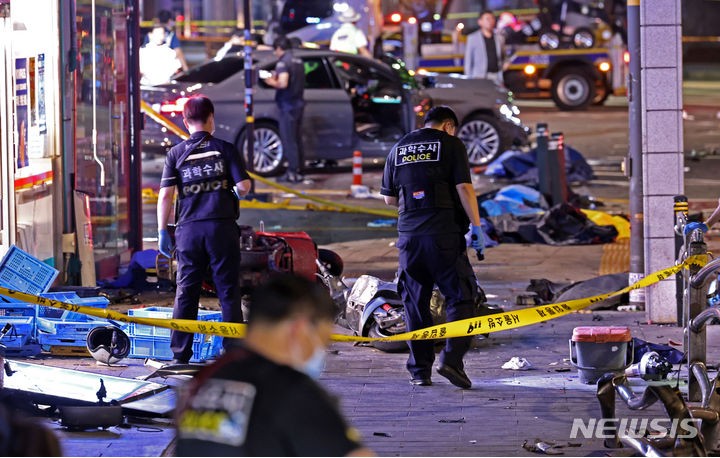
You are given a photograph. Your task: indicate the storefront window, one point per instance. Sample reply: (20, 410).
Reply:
(102, 166)
(34, 60)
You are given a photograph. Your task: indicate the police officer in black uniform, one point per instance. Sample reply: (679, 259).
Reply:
(204, 170)
(427, 176)
(289, 81)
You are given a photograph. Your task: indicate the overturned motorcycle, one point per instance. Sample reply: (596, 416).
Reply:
(373, 308)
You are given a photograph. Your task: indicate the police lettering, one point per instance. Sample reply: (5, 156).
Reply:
(417, 152)
(207, 186)
(416, 157)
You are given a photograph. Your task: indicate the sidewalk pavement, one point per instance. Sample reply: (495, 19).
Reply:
(503, 410)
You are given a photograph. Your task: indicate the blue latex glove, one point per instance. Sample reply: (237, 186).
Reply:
(165, 245)
(477, 239)
(689, 227)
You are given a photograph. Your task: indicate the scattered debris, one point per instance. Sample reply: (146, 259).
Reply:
(518, 363)
(542, 447)
(382, 223)
(459, 420)
(548, 447)
(382, 434)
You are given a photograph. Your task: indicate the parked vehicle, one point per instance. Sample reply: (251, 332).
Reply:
(352, 103)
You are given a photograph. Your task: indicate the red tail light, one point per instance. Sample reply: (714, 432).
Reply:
(173, 107)
(395, 17)
(626, 57)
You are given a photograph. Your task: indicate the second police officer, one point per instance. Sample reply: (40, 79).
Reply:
(204, 170)
(427, 176)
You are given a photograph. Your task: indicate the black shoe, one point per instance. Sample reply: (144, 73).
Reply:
(178, 362)
(421, 381)
(456, 376)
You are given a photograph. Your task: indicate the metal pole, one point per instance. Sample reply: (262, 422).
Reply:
(634, 161)
(558, 182)
(542, 160)
(680, 212)
(695, 342)
(135, 235)
(249, 78)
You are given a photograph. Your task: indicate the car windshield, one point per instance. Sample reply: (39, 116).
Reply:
(213, 71)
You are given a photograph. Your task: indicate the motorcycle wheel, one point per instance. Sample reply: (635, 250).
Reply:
(332, 261)
(387, 347)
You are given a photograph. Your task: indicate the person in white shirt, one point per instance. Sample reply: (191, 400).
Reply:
(158, 62)
(349, 38)
(484, 52)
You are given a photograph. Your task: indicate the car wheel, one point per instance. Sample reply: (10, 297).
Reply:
(481, 136)
(388, 347)
(268, 154)
(572, 89)
(601, 95)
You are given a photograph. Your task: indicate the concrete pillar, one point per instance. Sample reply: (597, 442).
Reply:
(662, 145)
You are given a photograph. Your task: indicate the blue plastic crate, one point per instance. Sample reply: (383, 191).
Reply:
(76, 329)
(45, 311)
(21, 333)
(204, 348)
(24, 273)
(16, 310)
(69, 297)
(163, 312)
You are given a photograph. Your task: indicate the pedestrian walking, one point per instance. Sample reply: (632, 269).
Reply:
(349, 37)
(427, 176)
(204, 170)
(261, 399)
(485, 50)
(289, 81)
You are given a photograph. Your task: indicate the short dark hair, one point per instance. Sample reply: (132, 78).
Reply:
(490, 12)
(282, 42)
(198, 108)
(164, 16)
(440, 114)
(285, 296)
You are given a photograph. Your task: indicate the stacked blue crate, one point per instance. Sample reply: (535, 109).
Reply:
(154, 342)
(58, 327)
(22, 272)
(21, 334)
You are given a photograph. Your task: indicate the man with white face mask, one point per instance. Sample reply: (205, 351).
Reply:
(261, 399)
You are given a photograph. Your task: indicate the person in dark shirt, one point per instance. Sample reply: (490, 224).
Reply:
(261, 399)
(204, 170)
(289, 81)
(427, 176)
(485, 50)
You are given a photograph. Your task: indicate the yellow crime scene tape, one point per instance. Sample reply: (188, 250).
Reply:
(502, 321)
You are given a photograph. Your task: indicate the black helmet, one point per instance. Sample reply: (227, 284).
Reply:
(108, 344)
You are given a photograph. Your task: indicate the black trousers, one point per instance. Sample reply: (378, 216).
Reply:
(290, 124)
(426, 261)
(201, 245)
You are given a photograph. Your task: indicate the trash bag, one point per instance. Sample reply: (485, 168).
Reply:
(567, 225)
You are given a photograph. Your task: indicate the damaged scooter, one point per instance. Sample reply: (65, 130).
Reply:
(372, 307)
